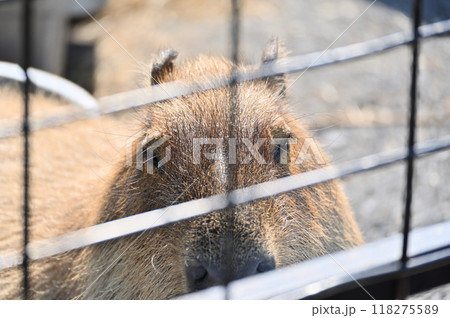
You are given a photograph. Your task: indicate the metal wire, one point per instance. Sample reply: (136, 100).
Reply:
(403, 284)
(232, 134)
(26, 42)
(160, 217)
(315, 278)
(156, 218)
(411, 127)
(157, 93)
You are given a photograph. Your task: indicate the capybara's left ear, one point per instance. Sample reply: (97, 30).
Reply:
(163, 66)
(273, 51)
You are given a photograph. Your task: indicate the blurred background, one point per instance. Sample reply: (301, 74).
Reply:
(353, 109)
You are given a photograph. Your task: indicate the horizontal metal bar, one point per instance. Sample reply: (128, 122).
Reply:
(151, 219)
(144, 96)
(422, 273)
(336, 273)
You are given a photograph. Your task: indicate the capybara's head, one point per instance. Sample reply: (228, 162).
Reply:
(203, 144)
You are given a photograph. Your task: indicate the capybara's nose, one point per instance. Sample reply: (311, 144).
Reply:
(204, 274)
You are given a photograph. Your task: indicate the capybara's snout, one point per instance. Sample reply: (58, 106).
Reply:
(204, 271)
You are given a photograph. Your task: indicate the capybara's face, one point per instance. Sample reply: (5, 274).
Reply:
(187, 149)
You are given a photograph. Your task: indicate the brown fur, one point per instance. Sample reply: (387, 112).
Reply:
(291, 227)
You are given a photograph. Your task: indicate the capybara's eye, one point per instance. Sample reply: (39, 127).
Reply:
(154, 159)
(282, 137)
(155, 152)
(281, 151)
(277, 153)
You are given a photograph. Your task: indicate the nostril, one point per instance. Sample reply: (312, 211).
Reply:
(200, 277)
(197, 273)
(266, 265)
(201, 274)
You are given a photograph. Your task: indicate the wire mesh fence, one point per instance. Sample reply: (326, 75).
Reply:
(151, 219)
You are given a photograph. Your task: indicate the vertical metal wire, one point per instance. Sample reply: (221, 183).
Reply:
(235, 31)
(232, 133)
(403, 287)
(234, 108)
(26, 61)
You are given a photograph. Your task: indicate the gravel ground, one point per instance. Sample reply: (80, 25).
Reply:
(354, 109)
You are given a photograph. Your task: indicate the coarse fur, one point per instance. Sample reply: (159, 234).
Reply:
(154, 264)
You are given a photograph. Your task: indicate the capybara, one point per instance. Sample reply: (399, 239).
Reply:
(202, 150)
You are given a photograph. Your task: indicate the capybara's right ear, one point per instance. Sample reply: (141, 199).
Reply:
(272, 52)
(163, 66)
